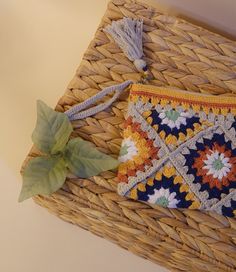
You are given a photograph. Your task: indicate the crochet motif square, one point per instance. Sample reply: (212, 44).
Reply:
(179, 150)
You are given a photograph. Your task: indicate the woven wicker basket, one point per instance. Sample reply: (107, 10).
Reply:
(179, 54)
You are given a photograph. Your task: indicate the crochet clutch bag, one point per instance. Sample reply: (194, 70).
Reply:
(179, 150)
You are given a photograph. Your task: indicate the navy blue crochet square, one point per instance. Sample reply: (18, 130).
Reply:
(213, 165)
(173, 122)
(166, 193)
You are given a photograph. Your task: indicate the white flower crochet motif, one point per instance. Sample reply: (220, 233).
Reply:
(164, 198)
(217, 165)
(173, 118)
(128, 150)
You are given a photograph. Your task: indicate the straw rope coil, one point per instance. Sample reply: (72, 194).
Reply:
(179, 54)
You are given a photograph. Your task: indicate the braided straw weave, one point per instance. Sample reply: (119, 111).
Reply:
(179, 54)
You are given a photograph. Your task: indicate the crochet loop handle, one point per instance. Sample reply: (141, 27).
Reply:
(78, 111)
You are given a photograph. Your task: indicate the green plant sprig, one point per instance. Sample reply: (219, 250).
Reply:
(45, 175)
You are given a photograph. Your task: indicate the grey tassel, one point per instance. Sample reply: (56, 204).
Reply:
(127, 33)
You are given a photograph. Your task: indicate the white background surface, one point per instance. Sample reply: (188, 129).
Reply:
(41, 44)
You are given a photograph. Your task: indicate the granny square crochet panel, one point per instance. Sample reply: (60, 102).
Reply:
(179, 150)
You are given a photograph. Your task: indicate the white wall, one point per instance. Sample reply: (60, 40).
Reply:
(41, 44)
(219, 15)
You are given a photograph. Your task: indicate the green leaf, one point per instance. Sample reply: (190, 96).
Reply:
(84, 160)
(44, 176)
(52, 129)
